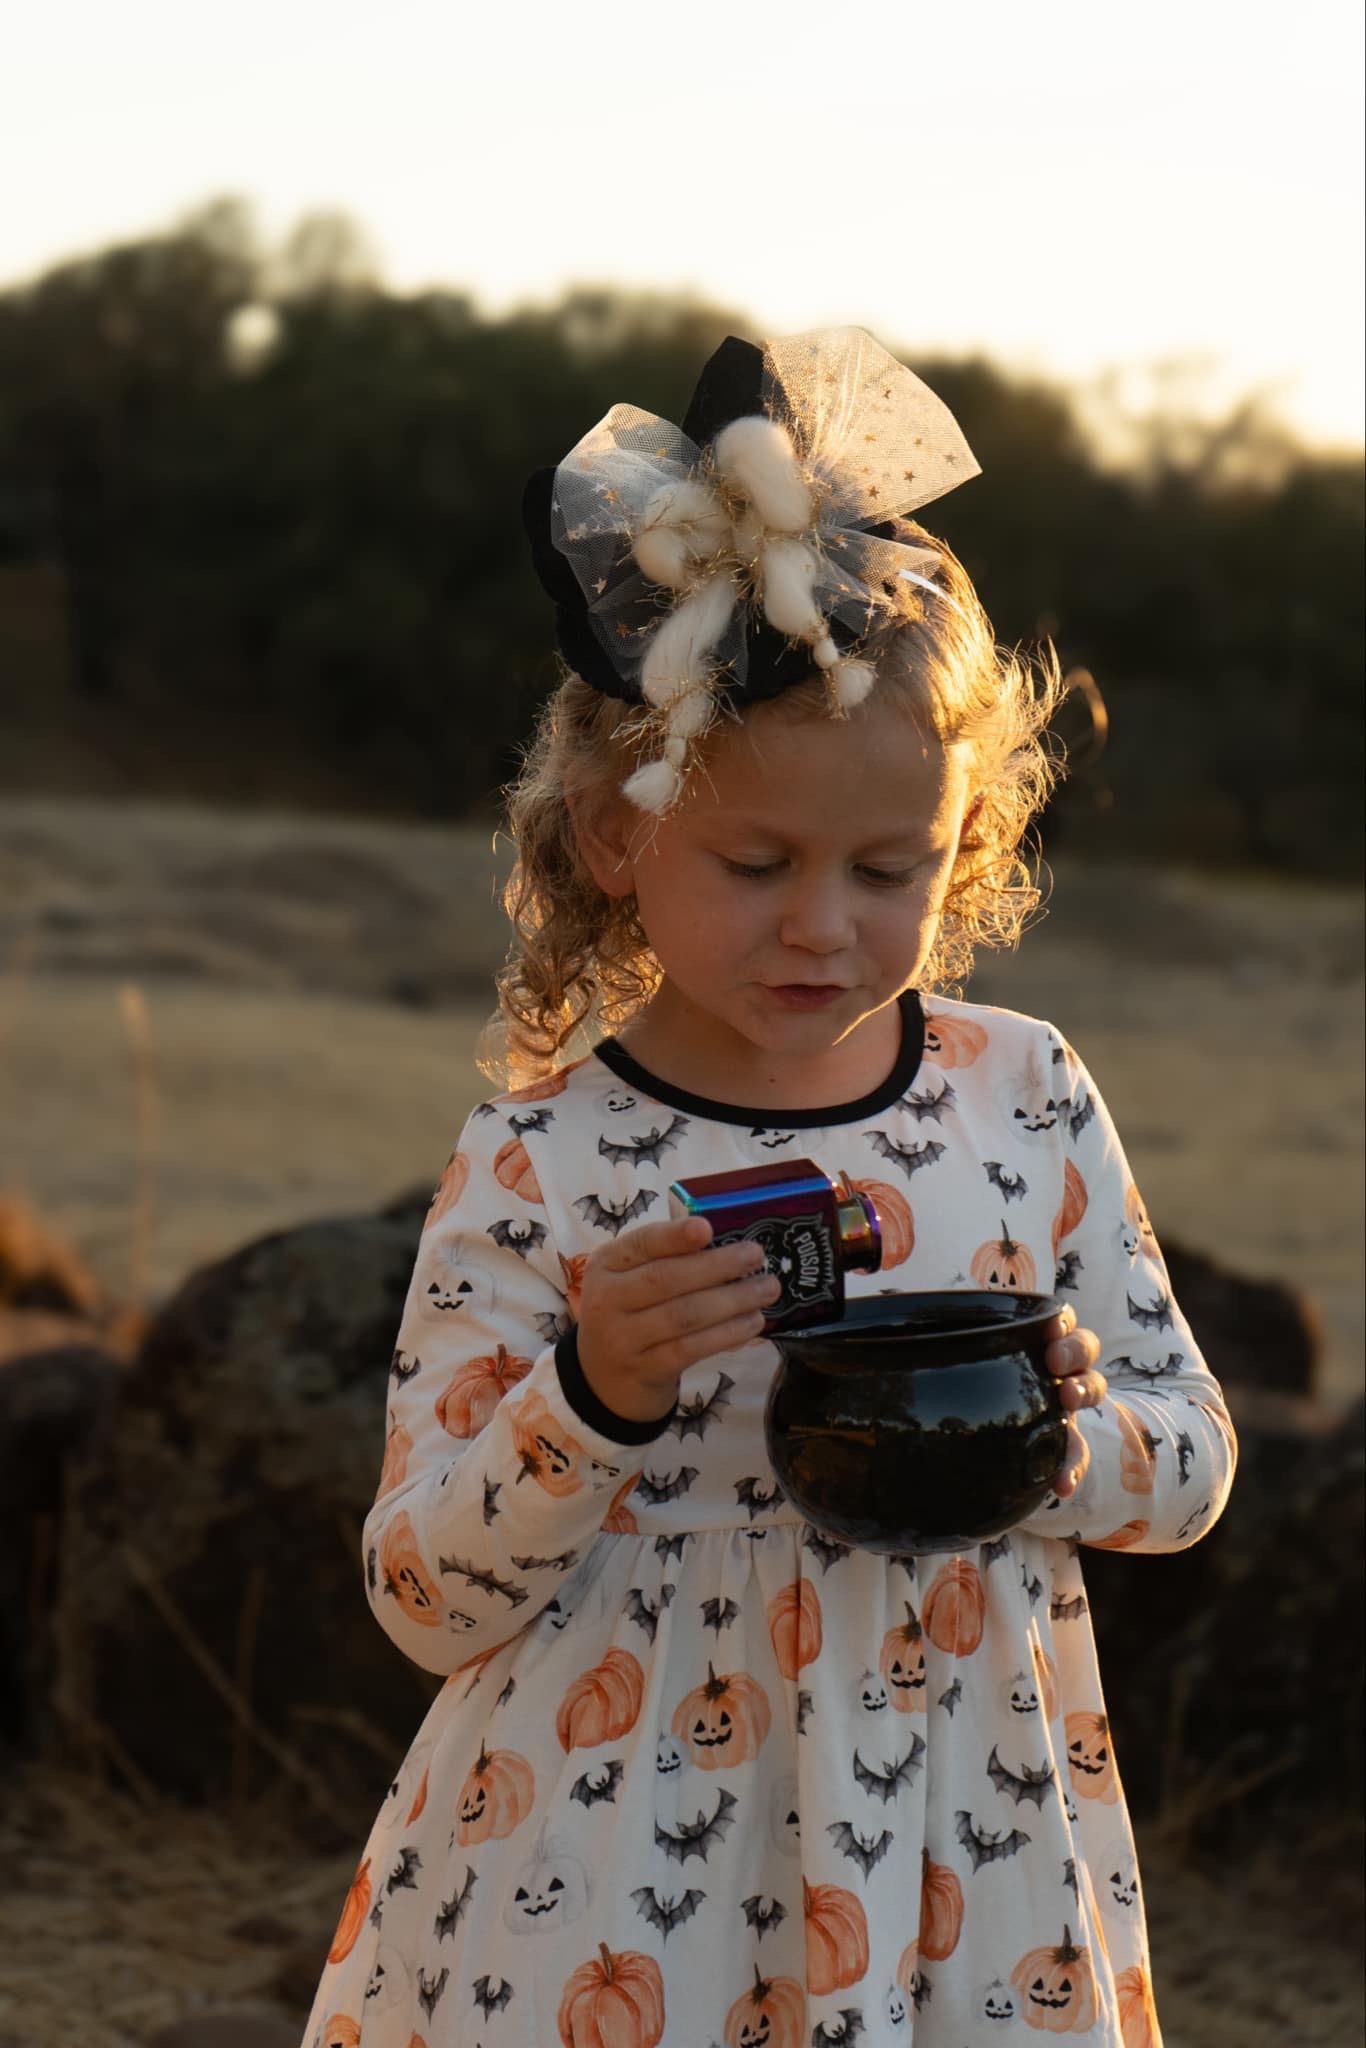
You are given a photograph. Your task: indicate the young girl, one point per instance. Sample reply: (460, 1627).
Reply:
(700, 1774)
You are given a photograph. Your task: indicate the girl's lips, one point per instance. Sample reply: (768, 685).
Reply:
(806, 995)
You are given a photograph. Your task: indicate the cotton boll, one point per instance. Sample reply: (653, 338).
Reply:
(824, 652)
(690, 716)
(653, 787)
(684, 522)
(757, 455)
(851, 681)
(677, 655)
(789, 576)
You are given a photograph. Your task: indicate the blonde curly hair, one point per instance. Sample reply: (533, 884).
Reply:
(579, 958)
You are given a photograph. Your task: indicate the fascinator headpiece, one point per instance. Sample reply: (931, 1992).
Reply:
(723, 561)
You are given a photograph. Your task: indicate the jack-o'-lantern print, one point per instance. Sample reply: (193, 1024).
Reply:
(550, 1890)
(405, 1575)
(573, 1271)
(619, 1520)
(910, 1977)
(1117, 1874)
(897, 2007)
(836, 1938)
(1137, 1452)
(338, 2030)
(450, 1286)
(723, 1721)
(1032, 1101)
(1057, 1987)
(388, 1984)
(784, 1816)
(954, 1611)
(1004, 1264)
(999, 2004)
(613, 2001)
(871, 1695)
(1090, 1757)
(794, 1625)
(467, 1403)
(1137, 1233)
(902, 1663)
(550, 1455)
(496, 1797)
(895, 1217)
(953, 1041)
(771, 2014)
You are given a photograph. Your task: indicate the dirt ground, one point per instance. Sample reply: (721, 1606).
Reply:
(212, 1026)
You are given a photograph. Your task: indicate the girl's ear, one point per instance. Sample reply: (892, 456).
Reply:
(602, 829)
(970, 815)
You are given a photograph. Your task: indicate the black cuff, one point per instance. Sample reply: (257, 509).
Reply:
(589, 1408)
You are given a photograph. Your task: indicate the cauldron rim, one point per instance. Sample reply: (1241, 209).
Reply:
(878, 1323)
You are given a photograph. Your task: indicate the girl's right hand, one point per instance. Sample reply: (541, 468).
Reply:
(659, 1298)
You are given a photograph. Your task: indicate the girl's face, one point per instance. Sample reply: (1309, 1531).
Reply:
(799, 889)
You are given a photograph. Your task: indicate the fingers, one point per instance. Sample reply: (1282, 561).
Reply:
(705, 1309)
(663, 1240)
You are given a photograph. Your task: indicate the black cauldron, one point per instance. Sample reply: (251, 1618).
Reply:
(918, 1422)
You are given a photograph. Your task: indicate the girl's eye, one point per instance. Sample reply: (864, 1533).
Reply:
(883, 878)
(880, 878)
(740, 867)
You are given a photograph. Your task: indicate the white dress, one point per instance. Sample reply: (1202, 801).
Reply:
(700, 1775)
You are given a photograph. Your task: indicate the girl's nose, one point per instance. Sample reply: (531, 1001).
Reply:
(816, 916)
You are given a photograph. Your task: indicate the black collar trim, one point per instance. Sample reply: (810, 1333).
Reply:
(614, 1055)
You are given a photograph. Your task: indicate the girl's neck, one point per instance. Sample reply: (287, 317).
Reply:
(697, 1053)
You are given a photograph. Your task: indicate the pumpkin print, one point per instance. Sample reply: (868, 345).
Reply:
(619, 1521)
(1046, 1672)
(1005, 1265)
(572, 1270)
(449, 1188)
(1138, 1230)
(771, 2014)
(953, 1041)
(724, 1721)
(941, 1910)
(784, 1818)
(602, 1703)
(398, 1446)
(998, 2003)
(614, 2002)
(1137, 2013)
(495, 1798)
(1073, 1205)
(474, 1392)
(339, 2032)
(902, 1664)
(549, 1890)
(512, 1169)
(406, 1576)
(794, 1623)
(1121, 1539)
(549, 1454)
(419, 1800)
(1090, 1758)
(1137, 1456)
(542, 1090)
(955, 1608)
(352, 1915)
(908, 1972)
(836, 1938)
(1058, 1987)
(894, 1214)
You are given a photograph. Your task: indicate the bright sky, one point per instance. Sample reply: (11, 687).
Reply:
(1069, 185)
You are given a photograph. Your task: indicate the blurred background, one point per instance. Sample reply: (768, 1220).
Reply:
(290, 306)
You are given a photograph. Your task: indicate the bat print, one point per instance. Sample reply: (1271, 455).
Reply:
(867, 1851)
(990, 1553)
(403, 1368)
(486, 1998)
(645, 1150)
(1012, 1185)
(560, 1562)
(371, 1563)
(614, 1216)
(520, 1121)
(846, 2026)
(753, 1535)
(949, 1699)
(1028, 1785)
(483, 1109)
(517, 1234)
(762, 1912)
(1192, 1518)
(671, 1546)
(908, 1561)
(1127, 1368)
(666, 1915)
(886, 1783)
(1069, 1877)
(645, 1613)
(492, 1489)
(695, 1838)
(1080, 1114)
(929, 1104)
(599, 1785)
(750, 1494)
(487, 1582)
(985, 1847)
(1068, 1271)
(1185, 1453)
(1067, 1610)
(826, 1548)
(656, 1491)
(805, 1704)
(910, 1158)
(718, 1614)
(692, 1415)
(403, 1876)
(550, 1327)
(1157, 1316)
(429, 1989)
(1033, 1586)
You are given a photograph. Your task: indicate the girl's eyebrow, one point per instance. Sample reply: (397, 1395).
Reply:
(913, 839)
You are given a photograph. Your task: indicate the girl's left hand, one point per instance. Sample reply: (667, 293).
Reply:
(1071, 1356)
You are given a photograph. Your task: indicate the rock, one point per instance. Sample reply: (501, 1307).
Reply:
(1257, 1333)
(231, 2028)
(218, 1527)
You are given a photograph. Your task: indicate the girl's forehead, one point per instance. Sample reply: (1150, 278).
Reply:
(882, 768)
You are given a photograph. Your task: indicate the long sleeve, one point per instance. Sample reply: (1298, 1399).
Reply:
(1162, 1444)
(493, 1485)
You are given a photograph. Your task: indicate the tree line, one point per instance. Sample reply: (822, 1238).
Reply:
(257, 506)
